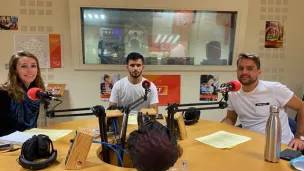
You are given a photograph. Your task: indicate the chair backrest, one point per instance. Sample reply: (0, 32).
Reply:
(293, 125)
(213, 50)
(297, 113)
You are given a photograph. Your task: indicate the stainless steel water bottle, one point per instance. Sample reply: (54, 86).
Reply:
(273, 134)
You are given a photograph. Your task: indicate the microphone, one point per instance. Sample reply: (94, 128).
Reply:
(38, 94)
(232, 86)
(146, 84)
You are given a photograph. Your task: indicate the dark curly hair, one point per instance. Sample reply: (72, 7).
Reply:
(152, 147)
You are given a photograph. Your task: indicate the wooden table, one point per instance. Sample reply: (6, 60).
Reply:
(247, 156)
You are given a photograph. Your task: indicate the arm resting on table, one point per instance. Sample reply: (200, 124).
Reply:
(230, 118)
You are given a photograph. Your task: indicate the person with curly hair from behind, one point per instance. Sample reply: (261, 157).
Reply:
(153, 147)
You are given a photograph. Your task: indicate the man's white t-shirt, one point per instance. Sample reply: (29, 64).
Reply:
(253, 108)
(124, 93)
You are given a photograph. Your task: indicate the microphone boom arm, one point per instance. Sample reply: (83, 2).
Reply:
(127, 109)
(173, 108)
(98, 111)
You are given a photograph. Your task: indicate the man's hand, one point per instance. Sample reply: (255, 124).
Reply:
(297, 144)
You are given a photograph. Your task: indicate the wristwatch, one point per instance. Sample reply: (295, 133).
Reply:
(302, 137)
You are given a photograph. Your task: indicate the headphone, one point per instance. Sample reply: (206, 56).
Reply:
(191, 117)
(35, 148)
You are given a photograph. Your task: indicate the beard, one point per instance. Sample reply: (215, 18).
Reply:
(135, 74)
(248, 81)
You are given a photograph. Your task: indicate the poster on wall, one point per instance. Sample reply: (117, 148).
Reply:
(106, 84)
(55, 51)
(46, 47)
(274, 32)
(8, 23)
(208, 85)
(168, 87)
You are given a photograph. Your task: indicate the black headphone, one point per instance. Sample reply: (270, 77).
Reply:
(35, 148)
(191, 117)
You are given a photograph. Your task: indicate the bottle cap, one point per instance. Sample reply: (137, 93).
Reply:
(275, 109)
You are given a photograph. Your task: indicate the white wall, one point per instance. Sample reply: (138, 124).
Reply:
(83, 85)
(283, 64)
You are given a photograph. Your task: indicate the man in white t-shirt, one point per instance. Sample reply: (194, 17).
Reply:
(130, 89)
(252, 103)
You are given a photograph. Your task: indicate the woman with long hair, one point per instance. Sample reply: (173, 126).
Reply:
(17, 111)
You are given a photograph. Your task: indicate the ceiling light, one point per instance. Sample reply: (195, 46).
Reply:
(164, 38)
(175, 39)
(157, 39)
(170, 38)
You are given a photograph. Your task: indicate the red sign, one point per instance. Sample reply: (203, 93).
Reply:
(168, 87)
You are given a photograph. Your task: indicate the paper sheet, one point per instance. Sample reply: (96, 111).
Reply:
(132, 120)
(16, 138)
(54, 134)
(222, 139)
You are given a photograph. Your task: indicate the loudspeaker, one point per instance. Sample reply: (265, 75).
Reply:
(191, 117)
(34, 148)
(79, 149)
(179, 128)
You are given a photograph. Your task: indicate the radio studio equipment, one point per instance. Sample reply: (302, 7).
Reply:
(127, 109)
(173, 122)
(37, 147)
(179, 128)
(79, 149)
(38, 94)
(98, 111)
(191, 117)
(232, 86)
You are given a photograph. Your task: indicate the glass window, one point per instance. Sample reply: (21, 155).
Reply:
(164, 37)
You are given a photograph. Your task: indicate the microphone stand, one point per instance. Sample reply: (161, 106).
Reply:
(127, 109)
(173, 108)
(46, 108)
(98, 111)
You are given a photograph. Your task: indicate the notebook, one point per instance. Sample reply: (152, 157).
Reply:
(16, 138)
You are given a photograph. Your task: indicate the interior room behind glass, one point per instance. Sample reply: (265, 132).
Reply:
(164, 37)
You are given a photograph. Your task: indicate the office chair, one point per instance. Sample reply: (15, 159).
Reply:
(213, 54)
(297, 114)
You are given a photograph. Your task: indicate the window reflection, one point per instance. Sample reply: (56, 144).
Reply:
(164, 37)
